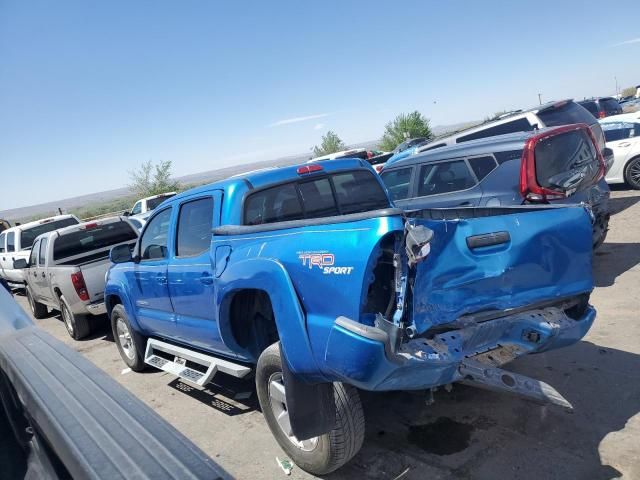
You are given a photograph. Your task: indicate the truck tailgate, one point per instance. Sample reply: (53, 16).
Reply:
(496, 259)
(94, 273)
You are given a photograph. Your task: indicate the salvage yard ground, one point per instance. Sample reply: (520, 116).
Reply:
(466, 433)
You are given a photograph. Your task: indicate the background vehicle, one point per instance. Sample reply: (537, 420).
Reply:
(564, 166)
(412, 142)
(16, 242)
(254, 295)
(624, 139)
(58, 416)
(66, 270)
(552, 114)
(138, 221)
(147, 204)
(602, 107)
(351, 153)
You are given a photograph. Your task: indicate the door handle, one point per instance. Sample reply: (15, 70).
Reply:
(43, 275)
(488, 239)
(464, 204)
(162, 279)
(625, 144)
(206, 279)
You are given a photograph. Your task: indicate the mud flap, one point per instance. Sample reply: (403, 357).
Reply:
(311, 407)
(491, 378)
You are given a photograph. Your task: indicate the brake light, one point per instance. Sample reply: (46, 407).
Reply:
(309, 169)
(602, 114)
(378, 168)
(81, 288)
(530, 189)
(89, 226)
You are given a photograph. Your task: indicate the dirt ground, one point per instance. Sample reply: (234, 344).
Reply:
(467, 433)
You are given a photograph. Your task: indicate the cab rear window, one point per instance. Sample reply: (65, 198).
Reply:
(335, 194)
(28, 236)
(94, 238)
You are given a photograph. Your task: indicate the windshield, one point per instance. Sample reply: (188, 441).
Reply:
(154, 202)
(29, 235)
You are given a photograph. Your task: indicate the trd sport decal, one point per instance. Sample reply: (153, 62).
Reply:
(325, 261)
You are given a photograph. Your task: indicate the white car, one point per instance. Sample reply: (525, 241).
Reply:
(147, 204)
(16, 242)
(353, 153)
(622, 135)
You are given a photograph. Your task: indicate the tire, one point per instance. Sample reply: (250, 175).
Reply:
(632, 173)
(38, 310)
(78, 326)
(129, 342)
(323, 454)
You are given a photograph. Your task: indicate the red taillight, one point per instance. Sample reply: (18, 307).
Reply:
(309, 169)
(530, 189)
(602, 114)
(378, 168)
(369, 154)
(89, 226)
(81, 288)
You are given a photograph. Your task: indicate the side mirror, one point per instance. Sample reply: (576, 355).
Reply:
(20, 264)
(120, 254)
(126, 214)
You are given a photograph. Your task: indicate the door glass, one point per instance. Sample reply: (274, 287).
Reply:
(482, 166)
(43, 251)
(153, 244)
(34, 254)
(444, 178)
(11, 242)
(137, 208)
(2, 237)
(194, 227)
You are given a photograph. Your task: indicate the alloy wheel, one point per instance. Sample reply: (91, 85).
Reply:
(124, 339)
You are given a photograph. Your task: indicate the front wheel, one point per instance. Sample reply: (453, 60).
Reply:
(318, 455)
(632, 173)
(125, 338)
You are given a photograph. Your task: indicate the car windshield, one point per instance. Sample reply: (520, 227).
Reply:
(154, 202)
(29, 235)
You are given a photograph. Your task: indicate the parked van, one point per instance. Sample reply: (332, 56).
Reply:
(16, 242)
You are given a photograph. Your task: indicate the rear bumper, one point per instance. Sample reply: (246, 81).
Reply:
(97, 308)
(361, 355)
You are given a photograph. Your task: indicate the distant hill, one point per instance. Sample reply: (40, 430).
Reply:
(195, 178)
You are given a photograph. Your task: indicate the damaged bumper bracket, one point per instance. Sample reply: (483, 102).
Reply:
(496, 379)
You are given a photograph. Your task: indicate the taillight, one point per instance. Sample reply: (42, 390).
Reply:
(602, 114)
(530, 189)
(81, 288)
(378, 168)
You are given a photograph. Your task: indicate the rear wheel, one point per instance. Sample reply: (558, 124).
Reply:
(38, 310)
(78, 326)
(127, 339)
(632, 173)
(319, 455)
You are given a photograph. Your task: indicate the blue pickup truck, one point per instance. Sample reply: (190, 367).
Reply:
(309, 279)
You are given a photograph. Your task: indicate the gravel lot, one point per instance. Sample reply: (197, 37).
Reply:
(467, 433)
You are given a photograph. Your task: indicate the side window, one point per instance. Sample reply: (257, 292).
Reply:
(482, 166)
(137, 208)
(2, 238)
(33, 257)
(277, 204)
(317, 198)
(519, 125)
(153, 244)
(444, 178)
(11, 242)
(194, 227)
(43, 252)
(398, 182)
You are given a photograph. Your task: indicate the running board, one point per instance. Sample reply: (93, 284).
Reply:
(178, 365)
(488, 377)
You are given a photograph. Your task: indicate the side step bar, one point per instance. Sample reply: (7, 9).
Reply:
(485, 376)
(178, 365)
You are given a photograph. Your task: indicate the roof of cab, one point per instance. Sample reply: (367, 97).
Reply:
(269, 176)
(25, 226)
(499, 143)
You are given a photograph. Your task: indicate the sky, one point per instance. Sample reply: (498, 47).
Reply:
(90, 90)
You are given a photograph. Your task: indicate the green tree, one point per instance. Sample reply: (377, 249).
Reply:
(628, 92)
(153, 179)
(331, 143)
(404, 126)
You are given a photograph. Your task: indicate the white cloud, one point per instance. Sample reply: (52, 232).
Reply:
(287, 121)
(627, 42)
(319, 126)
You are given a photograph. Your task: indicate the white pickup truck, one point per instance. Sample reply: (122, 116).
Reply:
(16, 242)
(147, 204)
(67, 267)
